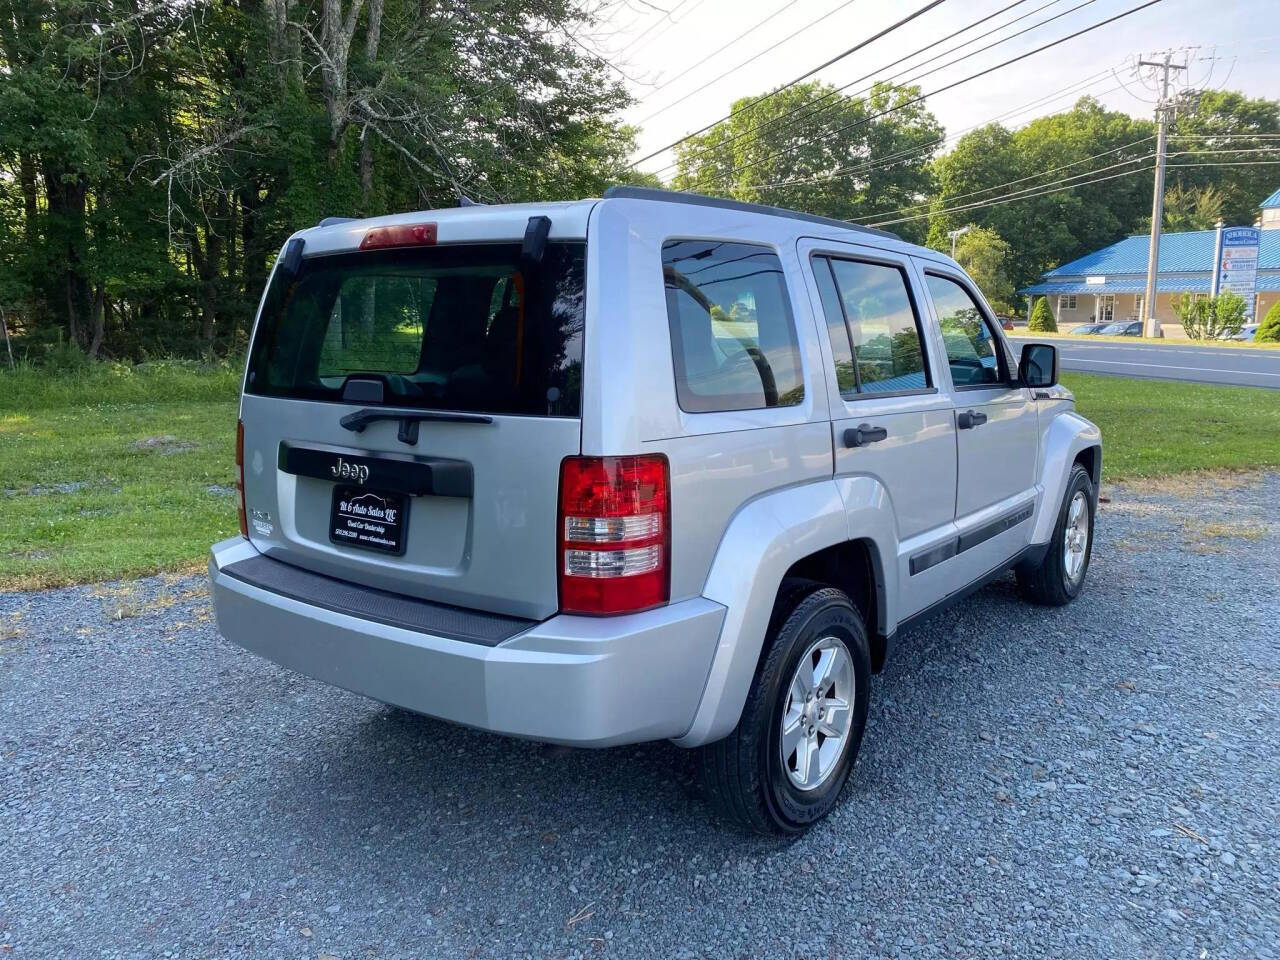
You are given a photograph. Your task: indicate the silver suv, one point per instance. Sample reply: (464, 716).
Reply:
(642, 467)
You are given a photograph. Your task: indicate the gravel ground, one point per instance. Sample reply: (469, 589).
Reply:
(1093, 782)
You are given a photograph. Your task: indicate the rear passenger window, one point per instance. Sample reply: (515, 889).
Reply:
(879, 323)
(971, 346)
(732, 335)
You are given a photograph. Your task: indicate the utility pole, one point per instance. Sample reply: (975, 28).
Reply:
(1164, 112)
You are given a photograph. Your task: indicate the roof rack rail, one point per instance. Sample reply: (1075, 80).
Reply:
(700, 200)
(331, 221)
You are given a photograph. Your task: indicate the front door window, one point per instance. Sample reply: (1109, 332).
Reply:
(1106, 309)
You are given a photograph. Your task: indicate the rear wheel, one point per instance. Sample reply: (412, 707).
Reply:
(783, 766)
(1059, 577)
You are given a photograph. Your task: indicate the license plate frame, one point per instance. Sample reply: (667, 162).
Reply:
(358, 518)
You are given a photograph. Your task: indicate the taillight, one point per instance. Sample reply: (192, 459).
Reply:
(615, 534)
(244, 519)
(400, 235)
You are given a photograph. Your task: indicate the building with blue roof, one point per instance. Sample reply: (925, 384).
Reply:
(1108, 284)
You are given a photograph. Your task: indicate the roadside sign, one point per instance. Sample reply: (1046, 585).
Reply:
(1236, 269)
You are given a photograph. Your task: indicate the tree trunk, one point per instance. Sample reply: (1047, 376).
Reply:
(98, 321)
(30, 204)
(205, 263)
(71, 303)
(373, 34)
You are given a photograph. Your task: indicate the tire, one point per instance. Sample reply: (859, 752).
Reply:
(745, 777)
(1054, 582)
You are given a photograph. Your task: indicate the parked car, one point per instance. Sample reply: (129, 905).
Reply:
(1089, 328)
(652, 466)
(1006, 323)
(1125, 328)
(1247, 332)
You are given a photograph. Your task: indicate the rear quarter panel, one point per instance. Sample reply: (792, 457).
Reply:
(719, 461)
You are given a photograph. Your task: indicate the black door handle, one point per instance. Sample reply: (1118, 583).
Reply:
(970, 419)
(863, 434)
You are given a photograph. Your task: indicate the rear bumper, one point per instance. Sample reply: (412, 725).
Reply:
(585, 681)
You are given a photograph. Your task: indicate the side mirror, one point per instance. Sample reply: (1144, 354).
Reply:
(1038, 367)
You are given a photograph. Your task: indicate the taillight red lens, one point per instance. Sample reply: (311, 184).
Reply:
(244, 519)
(400, 235)
(615, 534)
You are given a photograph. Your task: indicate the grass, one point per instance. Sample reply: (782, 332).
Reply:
(115, 472)
(1157, 428)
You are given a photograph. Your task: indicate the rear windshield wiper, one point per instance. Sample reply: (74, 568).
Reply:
(409, 420)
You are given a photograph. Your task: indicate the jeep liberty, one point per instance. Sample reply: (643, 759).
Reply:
(651, 466)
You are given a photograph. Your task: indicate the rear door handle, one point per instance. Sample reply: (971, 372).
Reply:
(970, 419)
(863, 434)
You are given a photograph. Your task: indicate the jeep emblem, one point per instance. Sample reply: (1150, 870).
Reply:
(349, 471)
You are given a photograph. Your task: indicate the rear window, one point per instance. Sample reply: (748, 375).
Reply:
(465, 327)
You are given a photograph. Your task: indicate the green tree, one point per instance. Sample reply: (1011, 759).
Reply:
(1045, 230)
(983, 255)
(1225, 120)
(1269, 328)
(153, 158)
(1188, 208)
(811, 148)
(1042, 320)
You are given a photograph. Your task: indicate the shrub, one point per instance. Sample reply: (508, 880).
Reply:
(1042, 318)
(1210, 318)
(1269, 329)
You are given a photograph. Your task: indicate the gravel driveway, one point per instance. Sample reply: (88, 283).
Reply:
(1099, 781)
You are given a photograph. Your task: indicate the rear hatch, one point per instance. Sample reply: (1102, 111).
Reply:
(406, 409)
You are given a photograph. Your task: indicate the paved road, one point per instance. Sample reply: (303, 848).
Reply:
(1093, 781)
(1124, 357)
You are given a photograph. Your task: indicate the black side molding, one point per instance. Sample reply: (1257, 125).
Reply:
(984, 533)
(1030, 555)
(967, 541)
(395, 472)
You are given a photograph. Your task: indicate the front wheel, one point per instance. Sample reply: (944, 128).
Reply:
(1059, 577)
(784, 765)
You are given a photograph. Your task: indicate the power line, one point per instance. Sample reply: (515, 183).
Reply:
(1010, 199)
(960, 59)
(1029, 190)
(979, 203)
(720, 49)
(804, 76)
(1053, 188)
(832, 93)
(956, 83)
(668, 16)
(904, 156)
(1033, 176)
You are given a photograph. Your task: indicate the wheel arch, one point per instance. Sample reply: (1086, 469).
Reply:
(795, 532)
(855, 567)
(1069, 439)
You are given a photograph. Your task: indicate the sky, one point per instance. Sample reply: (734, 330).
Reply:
(1231, 43)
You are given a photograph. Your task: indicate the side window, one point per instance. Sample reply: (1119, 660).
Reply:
(837, 332)
(972, 349)
(733, 338)
(874, 307)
